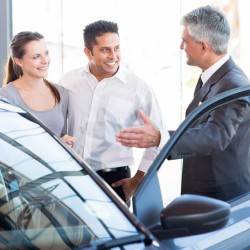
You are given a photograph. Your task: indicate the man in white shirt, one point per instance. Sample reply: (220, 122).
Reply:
(215, 151)
(103, 98)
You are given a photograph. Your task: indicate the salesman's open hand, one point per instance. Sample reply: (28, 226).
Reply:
(144, 136)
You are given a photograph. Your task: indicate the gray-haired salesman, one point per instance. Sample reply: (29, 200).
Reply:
(216, 150)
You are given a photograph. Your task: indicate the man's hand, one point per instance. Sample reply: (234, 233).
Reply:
(129, 185)
(144, 136)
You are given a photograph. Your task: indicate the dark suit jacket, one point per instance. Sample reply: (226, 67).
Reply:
(216, 149)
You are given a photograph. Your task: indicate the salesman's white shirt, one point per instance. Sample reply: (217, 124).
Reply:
(98, 110)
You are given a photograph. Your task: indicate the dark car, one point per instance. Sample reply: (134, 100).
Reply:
(177, 232)
(51, 199)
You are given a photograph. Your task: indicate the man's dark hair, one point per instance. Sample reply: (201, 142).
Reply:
(97, 29)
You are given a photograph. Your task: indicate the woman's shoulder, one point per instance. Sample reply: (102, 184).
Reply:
(8, 90)
(62, 90)
(10, 85)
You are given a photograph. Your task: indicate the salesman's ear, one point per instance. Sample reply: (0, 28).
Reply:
(205, 47)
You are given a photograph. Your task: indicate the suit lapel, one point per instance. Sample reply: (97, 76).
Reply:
(202, 93)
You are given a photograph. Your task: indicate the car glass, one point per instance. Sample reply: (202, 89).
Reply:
(46, 197)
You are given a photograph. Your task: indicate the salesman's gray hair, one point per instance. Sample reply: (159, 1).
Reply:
(210, 25)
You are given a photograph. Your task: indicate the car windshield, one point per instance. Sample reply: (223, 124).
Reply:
(46, 197)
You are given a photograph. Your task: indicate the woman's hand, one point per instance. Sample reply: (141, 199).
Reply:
(70, 140)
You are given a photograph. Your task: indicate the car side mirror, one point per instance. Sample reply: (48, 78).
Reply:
(192, 214)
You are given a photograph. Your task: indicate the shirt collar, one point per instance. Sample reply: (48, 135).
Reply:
(120, 74)
(210, 71)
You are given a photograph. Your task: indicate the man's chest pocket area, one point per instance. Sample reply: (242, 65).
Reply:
(119, 111)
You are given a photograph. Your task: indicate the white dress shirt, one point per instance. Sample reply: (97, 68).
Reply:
(211, 70)
(98, 110)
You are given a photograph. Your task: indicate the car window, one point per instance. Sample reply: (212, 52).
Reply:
(46, 198)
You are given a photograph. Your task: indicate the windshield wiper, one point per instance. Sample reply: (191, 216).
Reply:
(118, 242)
